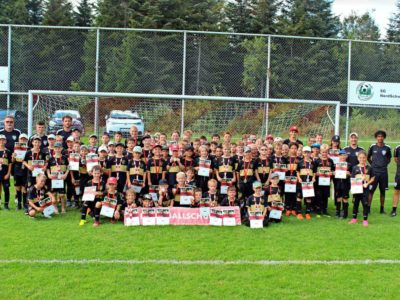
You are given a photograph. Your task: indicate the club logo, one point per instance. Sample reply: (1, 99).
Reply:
(365, 91)
(14, 137)
(384, 152)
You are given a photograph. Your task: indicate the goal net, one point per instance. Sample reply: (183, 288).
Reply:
(203, 117)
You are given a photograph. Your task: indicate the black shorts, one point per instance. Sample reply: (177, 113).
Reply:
(341, 193)
(397, 180)
(383, 180)
(20, 180)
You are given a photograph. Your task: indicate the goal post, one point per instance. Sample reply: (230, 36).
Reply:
(214, 112)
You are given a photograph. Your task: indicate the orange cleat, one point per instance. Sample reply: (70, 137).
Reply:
(288, 213)
(308, 216)
(294, 213)
(300, 217)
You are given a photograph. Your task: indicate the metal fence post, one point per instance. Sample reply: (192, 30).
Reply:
(266, 105)
(96, 100)
(348, 94)
(183, 82)
(9, 67)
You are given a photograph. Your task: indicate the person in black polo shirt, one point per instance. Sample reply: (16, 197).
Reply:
(396, 193)
(353, 150)
(293, 133)
(379, 156)
(10, 133)
(41, 132)
(66, 131)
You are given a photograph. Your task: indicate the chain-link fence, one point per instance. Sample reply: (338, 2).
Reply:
(199, 63)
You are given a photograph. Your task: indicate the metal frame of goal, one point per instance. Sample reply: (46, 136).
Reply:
(97, 95)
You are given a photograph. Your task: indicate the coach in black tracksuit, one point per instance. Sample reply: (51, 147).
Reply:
(379, 156)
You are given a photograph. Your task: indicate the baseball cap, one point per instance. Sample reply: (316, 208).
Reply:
(76, 129)
(93, 136)
(23, 136)
(336, 138)
(111, 143)
(70, 139)
(270, 137)
(36, 137)
(307, 149)
(146, 137)
(354, 133)
(247, 149)
(137, 149)
(315, 145)
(174, 147)
(294, 128)
(51, 137)
(58, 144)
(84, 147)
(163, 182)
(112, 180)
(256, 184)
(119, 145)
(189, 148)
(165, 148)
(276, 175)
(102, 148)
(157, 146)
(342, 152)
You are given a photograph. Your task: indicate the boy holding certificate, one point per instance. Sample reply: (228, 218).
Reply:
(341, 183)
(35, 160)
(291, 188)
(119, 167)
(5, 170)
(20, 171)
(57, 171)
(137, 172)
(306, 177)
(325, 168)
(204, 166)
(257, 203)
(363, 175)
(36, 194)
(92, 194)
(110, 204)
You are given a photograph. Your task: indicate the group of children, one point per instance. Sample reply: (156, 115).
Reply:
(250, 174)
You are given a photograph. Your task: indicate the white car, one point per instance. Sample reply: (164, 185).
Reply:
(123, 120)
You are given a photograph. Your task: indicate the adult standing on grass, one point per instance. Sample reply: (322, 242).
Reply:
(10, 133)
(293, 134)
(134, 134)
(40, 132)
(66, 131)
(379, 156)
(353, 149)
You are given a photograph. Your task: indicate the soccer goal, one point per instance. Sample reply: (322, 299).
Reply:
(204, 115)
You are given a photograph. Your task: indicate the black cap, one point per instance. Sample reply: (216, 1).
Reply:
(146, 137)
(165, 148)
(336, 138)
(76, 129)
(119, 144)
(189, 148)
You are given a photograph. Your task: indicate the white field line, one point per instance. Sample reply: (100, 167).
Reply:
(200, 262)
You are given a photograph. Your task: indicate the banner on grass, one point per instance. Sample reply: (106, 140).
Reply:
(190, 216)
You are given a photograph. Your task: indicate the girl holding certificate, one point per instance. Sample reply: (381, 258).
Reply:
(362, 174)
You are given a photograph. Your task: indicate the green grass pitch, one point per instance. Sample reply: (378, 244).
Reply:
(325, 239)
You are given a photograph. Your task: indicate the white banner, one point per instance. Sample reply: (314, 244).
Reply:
(374, 93)
(4, 79)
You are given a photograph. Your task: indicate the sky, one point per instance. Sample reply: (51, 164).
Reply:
(380, 9)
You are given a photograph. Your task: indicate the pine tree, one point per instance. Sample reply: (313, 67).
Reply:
(309, 18)
(265, 16)
(240, 15)
(393, 31)
(84, 14)
(58, 12)
(356, 27)
(35, 11)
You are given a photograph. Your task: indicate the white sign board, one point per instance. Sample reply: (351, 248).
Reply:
(4, 79)
(374, 93)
